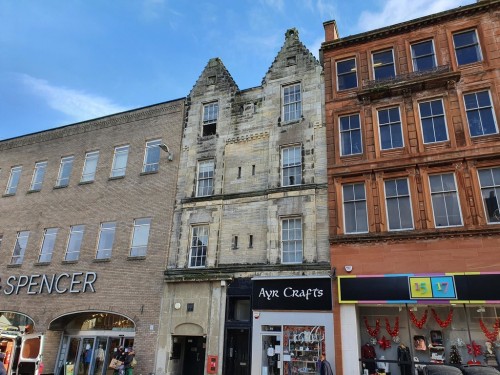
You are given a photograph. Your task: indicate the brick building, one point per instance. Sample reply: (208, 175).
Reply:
(248, 268)
(414, 177)
(84, 227)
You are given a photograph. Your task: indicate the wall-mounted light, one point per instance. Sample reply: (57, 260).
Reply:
(165, 148)
(481, 309)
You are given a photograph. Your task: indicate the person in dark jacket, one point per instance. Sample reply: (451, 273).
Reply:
(325, 368)
(3, 370)
(128, 361)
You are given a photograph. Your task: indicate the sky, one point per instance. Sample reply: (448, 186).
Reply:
(66, 61)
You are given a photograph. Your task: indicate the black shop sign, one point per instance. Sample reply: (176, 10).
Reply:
(292, 294)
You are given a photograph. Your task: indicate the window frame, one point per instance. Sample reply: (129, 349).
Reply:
(151, 167)
(414, 58)
(47, 248)
(89, 156)
(197, 252)
(477, 46)
(139, 225)
(296, 242)
(40, 167)
(19, 258)
(210, 118)
(75, 237)
(350, 131)
(496, 188)
(65, 166)
(479, 109)
(105, 253)
(432, 117)
(14, 178)
(117, 153)
(344, 203)
(390, 124)
(290, 103)
(457, 195)
(397, 198)
(355, 72)
(291, 166)
(209, 178)
(375, 67)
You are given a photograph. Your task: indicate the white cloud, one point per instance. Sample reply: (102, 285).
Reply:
(395, 11)
(326, 9)
(76, 104)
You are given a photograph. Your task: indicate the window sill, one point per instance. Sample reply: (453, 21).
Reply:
(14, 265)
(138, 257)
(86, 182)
(292, 122)
(39, 264)
(69, 261)
(147, 173)
(8, 195)
(101, 260)
(33, 191)
(116, 178)
(60, 187)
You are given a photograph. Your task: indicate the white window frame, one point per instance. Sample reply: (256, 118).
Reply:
(292, 107)
(413, 57)
(398, 197)
(355, 201)
(355, 71)
(348, 133)
(48, 244)
(120, 152)
(432, 117)
(290, 166)
(443, 193)
(75, 239)
(105, 229)
(38, 176)
(478, 46)
(198, 255)
(374, 67)
(486, 190)
(14, 178)
(205, 176)
(152, 147)
(390, 123)
(478, 109)
(90, 166)
(142, 227)
(20, 246)
(210, 118)
(65, 167)
(292, 246)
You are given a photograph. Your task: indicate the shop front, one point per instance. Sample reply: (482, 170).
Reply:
(292, 325)
(407, 322)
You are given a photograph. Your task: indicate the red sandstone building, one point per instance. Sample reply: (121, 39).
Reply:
(414, 179)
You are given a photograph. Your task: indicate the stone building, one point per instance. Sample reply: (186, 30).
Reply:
(248, 268)
(414, 178)
(85, 217)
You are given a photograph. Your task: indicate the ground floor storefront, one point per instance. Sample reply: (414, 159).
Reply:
(403, 323)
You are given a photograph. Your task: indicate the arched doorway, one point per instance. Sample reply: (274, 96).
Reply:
(89, 340)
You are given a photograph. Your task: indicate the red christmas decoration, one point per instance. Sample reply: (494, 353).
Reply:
(492, 336)
(384, 343)
(443, 324)
(393, 332)
(373, 332)
(474, 349)
(418, 323)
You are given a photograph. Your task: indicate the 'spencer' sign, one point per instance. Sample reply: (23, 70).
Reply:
(77, 282)
(292, 294)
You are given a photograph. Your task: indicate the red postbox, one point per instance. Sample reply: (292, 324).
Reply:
(212, 364)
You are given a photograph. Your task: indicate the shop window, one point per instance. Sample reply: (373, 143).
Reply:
(292, 102)
(210, 117)
(239, 309)
(291, 240)
(15, 175)
(480, 114)
(48, 244)
(390, 129)
(90, 166)
(74, 243)
(106, 240)
(433, 121)
(355, 211)
(120, 158)
(38, 176)
(445, 203)
(350, 135)
(423, 56)
(140, 237)
(383, 65)
(199, 244)
(20, 247)
(205, 178)
(152, 156)
(399, 212)
(64, 171)
(347, 74)
(490, 190)
(467, 48)
(305, 345)
(291, 165)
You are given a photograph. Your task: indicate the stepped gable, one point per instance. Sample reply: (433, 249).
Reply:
(215, 77)
(293, 55)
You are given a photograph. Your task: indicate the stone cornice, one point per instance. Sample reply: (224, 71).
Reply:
(248, 137)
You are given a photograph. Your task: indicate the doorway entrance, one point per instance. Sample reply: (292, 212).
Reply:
(271, 357)
(194, 355)
(237, 353)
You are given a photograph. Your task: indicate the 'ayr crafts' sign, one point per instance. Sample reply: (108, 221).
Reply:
(76, 282)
